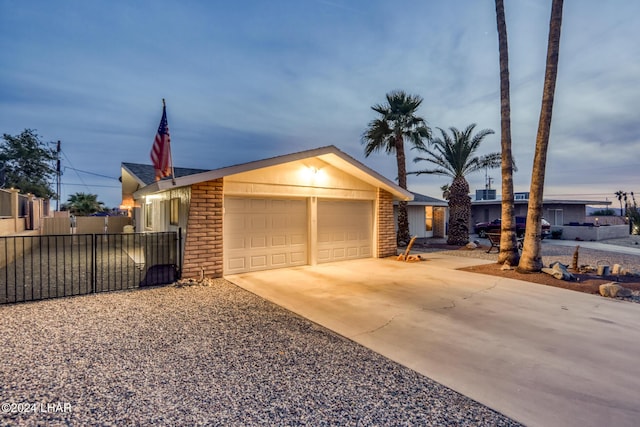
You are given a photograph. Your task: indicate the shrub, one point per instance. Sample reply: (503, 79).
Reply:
(603, 212)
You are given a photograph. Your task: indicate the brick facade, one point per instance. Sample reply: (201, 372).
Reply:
(203, 244)
(387, 245)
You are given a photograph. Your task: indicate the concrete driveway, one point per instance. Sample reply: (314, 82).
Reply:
(541, 355)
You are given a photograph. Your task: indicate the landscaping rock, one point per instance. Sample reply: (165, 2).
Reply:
(559, 271)
(471, 245)
(614, 290)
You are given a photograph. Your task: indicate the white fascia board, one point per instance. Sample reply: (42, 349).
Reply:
(329, 154)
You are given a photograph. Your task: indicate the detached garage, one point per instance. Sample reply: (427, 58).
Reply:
(303, 208)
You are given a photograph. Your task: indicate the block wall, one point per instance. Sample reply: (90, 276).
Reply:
(203, 243)
(387, 245)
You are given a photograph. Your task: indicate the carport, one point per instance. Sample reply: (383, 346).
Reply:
(541, 355)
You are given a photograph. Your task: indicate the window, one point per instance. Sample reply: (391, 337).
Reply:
(174, 214)
(428, 215)
(148, 215)
(555, 217)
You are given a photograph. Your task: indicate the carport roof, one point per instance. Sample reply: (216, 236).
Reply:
(329, 154)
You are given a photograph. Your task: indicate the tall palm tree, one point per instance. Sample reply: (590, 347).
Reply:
(397, 122)
(84, 204)
(621, 195)
(531, 259)
(508, 238)
(454, 156)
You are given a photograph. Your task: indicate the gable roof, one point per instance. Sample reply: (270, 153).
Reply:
(329, 154)
(146, 174)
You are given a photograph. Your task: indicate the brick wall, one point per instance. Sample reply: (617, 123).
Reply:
(386, 225)
(203, 243)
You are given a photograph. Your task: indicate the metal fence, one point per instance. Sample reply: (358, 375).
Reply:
(42, 267)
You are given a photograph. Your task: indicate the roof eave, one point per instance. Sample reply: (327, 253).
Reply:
(358, 169)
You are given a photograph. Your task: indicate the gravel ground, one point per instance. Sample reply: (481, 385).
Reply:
(551, 253)
(197, 355)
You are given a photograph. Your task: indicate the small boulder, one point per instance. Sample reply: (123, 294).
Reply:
(614, 290)
(559, 271)
(471, 245)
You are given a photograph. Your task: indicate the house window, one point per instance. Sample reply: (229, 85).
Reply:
(148, 215)
(556, 217)
(428, 218)
(174, 213)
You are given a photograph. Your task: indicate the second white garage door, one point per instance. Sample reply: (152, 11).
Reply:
(261, 234)
(345, 230)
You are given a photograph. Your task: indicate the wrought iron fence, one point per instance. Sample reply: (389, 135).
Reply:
(42, 267)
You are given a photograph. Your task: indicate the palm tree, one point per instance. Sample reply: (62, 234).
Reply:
(397, 122)
(508, 238)
(621, 195)
(454, 156)
(84, 204)
(531, 260)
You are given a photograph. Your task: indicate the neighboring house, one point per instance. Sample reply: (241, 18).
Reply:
(304, 208)
(557, 212)
(428, 216)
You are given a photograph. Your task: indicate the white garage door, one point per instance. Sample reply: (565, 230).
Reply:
(261, 234)
(344, 230)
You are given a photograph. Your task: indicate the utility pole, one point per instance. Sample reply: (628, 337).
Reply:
(58, 178)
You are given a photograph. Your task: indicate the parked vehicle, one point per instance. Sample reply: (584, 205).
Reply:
(482, 228)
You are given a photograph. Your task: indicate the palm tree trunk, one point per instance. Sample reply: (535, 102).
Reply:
(508, 239)
(531, 259)
(403, 218)
(459, 212)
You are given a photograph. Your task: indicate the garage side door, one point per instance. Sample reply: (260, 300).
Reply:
(345, 230)
(261, 234)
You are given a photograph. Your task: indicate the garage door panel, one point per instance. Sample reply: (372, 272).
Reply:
(280, 240)
(298, 239)
(279, 260)
(258, 261)
(258, 242)
(257, 205)
(236, 243)
(237, 263)
(299, 258)
(264, 233)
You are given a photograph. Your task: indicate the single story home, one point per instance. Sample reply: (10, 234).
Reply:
(303, 208)
(427, 216)
(557, 212)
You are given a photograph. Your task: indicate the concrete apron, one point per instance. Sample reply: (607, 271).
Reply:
(541, 355)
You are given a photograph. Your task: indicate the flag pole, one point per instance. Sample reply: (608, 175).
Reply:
(173, 175)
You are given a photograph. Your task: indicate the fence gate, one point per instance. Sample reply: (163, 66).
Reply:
(41, 267)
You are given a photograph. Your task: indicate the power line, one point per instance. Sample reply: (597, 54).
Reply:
(93, 185)
(91, 173)
(72, 168)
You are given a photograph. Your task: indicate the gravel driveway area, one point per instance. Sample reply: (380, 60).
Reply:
(214, 355)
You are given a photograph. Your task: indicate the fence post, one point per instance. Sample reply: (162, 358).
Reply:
(179, 272)
(94, 262)
(15, 208)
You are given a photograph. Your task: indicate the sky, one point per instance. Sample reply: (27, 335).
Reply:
(246, 80)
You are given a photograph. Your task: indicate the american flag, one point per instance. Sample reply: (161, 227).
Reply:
(161, 151)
